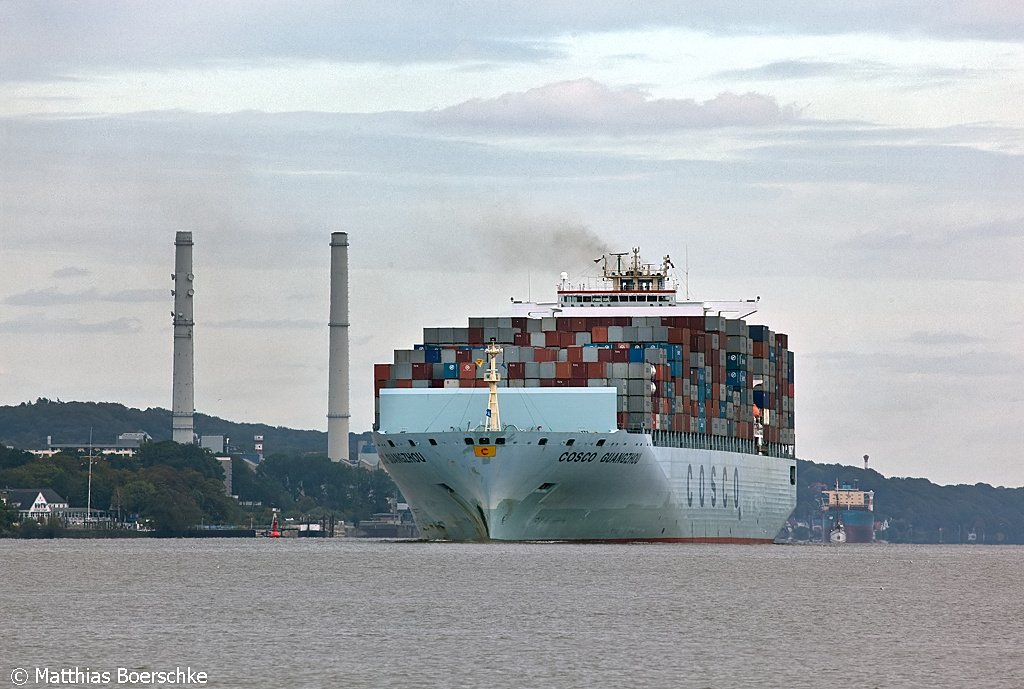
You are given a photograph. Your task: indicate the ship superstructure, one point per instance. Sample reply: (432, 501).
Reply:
(625, 414)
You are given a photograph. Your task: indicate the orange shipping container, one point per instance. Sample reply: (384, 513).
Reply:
(599, 334)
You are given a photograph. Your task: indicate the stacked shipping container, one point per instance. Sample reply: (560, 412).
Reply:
(684, 374)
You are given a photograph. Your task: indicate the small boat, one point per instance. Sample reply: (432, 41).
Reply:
(838, 534)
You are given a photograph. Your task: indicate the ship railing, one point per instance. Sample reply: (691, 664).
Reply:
(704, 441)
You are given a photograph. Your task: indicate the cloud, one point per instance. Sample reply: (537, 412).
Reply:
(586, 105)
(805, 69)
(58, 326)
(53, 38)
(987, 252)
(892, 366)
(69, 272)
(941, 339)
(53, 297)
(268, 324)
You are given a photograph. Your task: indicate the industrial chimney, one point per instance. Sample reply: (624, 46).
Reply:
(182, 391)
(337, 381)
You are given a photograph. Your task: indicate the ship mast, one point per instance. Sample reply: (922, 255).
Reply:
(492, 377)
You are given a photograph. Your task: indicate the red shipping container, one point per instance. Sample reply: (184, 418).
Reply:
(403, 383)
(521, 339)
(463, 355)
(574, 354)
(599, 334)
(467, 371)
(551, 338)
(566, 339)
(382, 371)
(578, 369)
(422, 371)
(577, 382)
(597, 369)
(562, 369)
(516, 369)
(561, 382)
(579, 325)
(476, 336)
(520, 323)
(542, 354)
(437, 383)
(620, 356)
(563, 325)
(604, 355)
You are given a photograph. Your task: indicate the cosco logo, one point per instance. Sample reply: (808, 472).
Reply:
(577, 457)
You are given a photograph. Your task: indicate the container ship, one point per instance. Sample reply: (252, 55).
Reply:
(615, 413)
(848, 510)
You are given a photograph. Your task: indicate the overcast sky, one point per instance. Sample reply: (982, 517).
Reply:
(858, 166)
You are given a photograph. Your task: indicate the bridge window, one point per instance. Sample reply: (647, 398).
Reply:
(600, 443)
(483, 441)
(432, 441)
(542, 441)
(499, 441)
(468, 441)
(570, 442)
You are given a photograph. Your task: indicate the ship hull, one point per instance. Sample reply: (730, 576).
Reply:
(858, 524)
(617, 486)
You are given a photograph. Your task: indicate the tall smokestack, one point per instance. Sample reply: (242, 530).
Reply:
(182, 390)
(337, 381)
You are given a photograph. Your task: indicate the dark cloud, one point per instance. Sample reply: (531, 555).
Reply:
(586, 105)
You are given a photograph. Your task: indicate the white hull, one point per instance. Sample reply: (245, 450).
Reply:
(623, 489)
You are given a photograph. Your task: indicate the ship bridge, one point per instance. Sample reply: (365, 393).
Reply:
(628, 287)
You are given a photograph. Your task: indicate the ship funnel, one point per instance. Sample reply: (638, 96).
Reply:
(182, 388)
(338, 376)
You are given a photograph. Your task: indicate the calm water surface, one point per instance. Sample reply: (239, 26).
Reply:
(352, 613)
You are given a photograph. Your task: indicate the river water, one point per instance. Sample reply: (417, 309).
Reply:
(355, 613)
